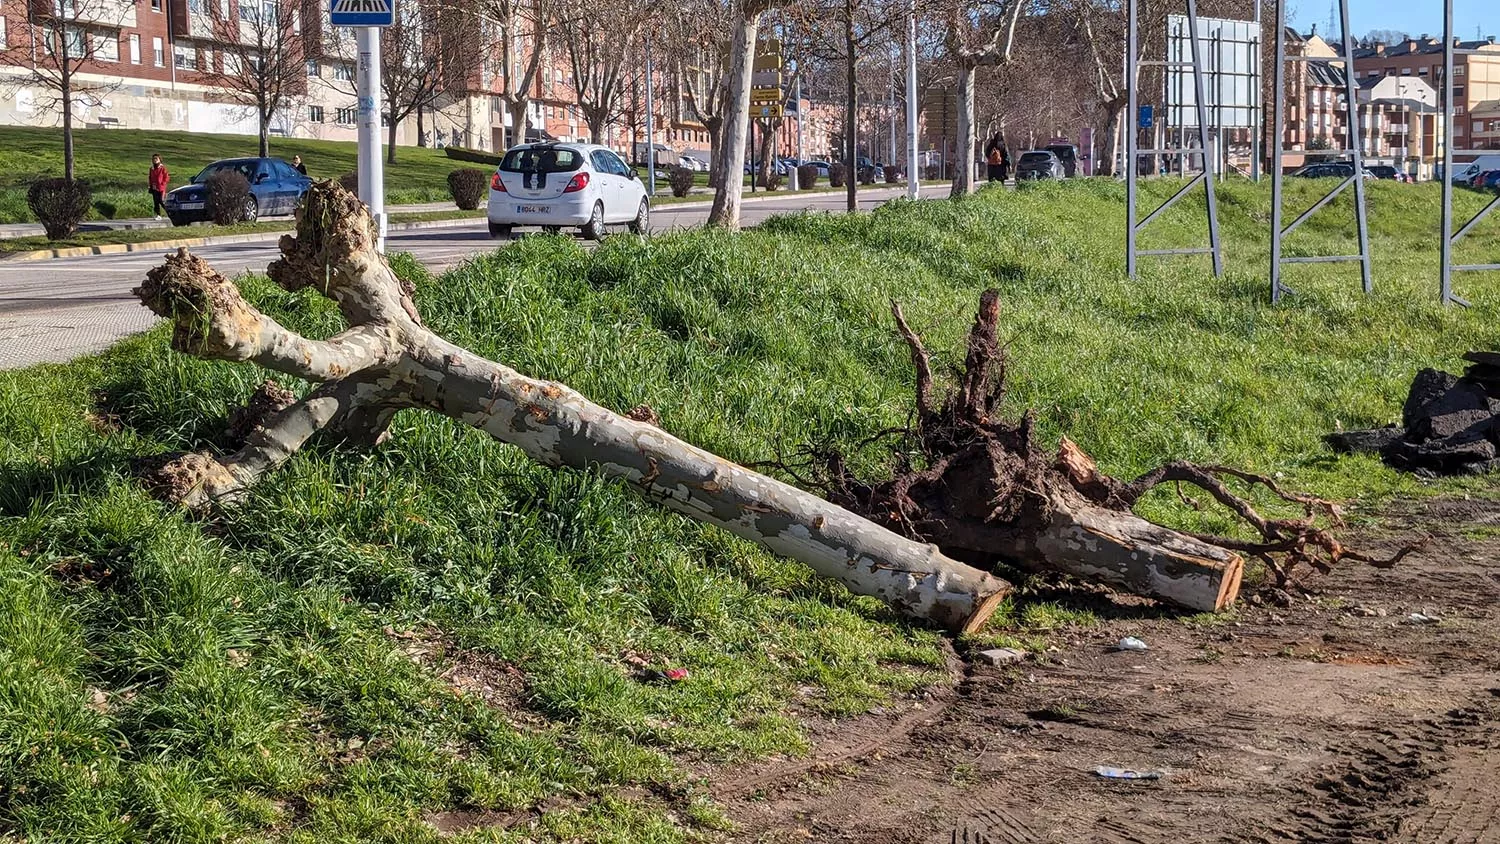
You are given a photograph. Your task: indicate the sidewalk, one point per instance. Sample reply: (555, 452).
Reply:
(12, 230)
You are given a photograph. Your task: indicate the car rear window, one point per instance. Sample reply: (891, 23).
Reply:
(1036, 157)
(246, 168)
(542, 160)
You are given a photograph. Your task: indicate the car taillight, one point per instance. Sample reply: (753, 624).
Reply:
(496, 184)
(577, 183)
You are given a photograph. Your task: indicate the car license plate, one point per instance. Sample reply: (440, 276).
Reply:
(531, 209)
(190, 206)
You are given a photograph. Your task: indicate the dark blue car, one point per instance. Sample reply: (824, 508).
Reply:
(276, 188)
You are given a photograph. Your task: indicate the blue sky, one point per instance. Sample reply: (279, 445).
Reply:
(1412, 16)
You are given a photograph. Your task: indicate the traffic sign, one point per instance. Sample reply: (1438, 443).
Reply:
(1145, 117)
(766, 111)
(362, 12)
(773, 94)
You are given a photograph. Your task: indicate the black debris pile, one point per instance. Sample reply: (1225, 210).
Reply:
(1450, 425)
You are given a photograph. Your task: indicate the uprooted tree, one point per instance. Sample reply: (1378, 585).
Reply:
(985, 491)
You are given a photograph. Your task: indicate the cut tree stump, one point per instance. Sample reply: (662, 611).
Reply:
(388, 361)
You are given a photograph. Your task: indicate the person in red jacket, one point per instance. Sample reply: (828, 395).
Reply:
(157, 180)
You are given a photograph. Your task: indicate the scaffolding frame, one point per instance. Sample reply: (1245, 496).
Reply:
(1450, 237)
(1133, 152)
(1352, 147)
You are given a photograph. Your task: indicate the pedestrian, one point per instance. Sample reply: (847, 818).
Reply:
(994, 156)
(1004, 164)
(298, 165)
(157, 180)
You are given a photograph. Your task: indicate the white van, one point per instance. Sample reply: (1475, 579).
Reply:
(1465, 171)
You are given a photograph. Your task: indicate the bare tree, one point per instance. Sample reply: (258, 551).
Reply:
(261, 65)
(980, 33)
(696, 46)
(68, 37)
(522, 36)
(430, 48)
(744, 25)
(597, 55)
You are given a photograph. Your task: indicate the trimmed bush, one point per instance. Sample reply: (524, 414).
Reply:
(476, 156)
(892, 174)
(104, 209)
(350, 182)
(228, 191)
(59, 205)
(837, 173)
(681, 180)
(807, 176)
(867, 175)
(468, 186)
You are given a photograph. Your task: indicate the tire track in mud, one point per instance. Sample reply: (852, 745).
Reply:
(1431, 783)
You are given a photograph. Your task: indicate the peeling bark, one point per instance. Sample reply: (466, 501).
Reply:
(388, 361)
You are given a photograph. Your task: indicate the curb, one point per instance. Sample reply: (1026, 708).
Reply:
(253, 237)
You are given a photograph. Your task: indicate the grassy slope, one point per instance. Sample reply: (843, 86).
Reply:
(164, 678)
(114, 161)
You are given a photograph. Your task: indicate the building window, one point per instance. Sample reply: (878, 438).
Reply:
(313, 69)
(3, 43)
(1421, 71)
(344, 115)
(1406, 71)
(1458, 92)
(135, 49)
(198, 7)
(184, 58)
(1458, 70)
(343, 73)
(159, 58)
(156, 5)
(315, 114)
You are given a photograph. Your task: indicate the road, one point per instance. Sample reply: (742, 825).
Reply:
(53, 311)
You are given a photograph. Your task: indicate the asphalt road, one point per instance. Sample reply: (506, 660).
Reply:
(53, 311)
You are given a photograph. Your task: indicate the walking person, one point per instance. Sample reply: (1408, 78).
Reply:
(994, 155)
(298, 165)
(157, 180)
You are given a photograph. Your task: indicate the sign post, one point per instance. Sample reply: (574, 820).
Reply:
(766, 98)
(367, 17)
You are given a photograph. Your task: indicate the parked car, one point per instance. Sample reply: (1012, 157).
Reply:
(697, 165)
(1331, 170)
(1464, 172)
(557, 185)
(1386, 171)
(822, 168)
(275, 189)
(1068, 155)
(1488, 180)
(1039, 164)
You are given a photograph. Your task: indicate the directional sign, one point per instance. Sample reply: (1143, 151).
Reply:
(1145, 121)
(766, 79)
(765, 94)
(766, 111)
(362, 12)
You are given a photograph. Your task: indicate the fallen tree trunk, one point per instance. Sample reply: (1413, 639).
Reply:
(388, 361)
(986, 492)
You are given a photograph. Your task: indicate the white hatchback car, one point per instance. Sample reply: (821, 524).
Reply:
(554, 185)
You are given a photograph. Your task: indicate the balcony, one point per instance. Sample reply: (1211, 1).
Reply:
(114, 14)
(1397, 129)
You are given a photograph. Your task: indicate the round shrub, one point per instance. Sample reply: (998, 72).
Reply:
(59, 205)
(807, 176)
(837, 173)
(867, 175)
(681, 180)
(468, 186)
(350, 182)
(228, 197)
(892, 174)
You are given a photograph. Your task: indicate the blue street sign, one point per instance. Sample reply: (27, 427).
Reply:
(1145, 118)
(362, 12)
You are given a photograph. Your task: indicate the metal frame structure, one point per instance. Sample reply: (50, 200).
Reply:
(1133, 152)
(1352, 142)
(1450, 237)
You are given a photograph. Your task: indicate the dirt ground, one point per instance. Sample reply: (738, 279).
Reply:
(1338, 718)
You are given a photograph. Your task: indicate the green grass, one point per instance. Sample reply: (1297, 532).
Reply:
(252, 675)
(115, 161)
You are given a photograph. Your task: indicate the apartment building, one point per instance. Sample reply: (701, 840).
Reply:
(1476, 81)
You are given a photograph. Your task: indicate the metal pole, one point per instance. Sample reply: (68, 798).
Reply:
(1209, 164)
(1278, 135)
(1258, 117)
(650, 129)
(800, 115)
(1356, 141)
(371, 172)
(891, 159)
(913, 188)
(1132, 138)
(1446, 283)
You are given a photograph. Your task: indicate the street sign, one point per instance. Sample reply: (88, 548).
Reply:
(1145, 121)
(767, 94)
(765, 79)
(766, 111)
(362, 12)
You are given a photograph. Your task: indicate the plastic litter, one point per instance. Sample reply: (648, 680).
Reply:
(1131, 643)
(1128, 774)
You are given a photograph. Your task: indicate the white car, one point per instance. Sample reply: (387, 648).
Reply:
(557, 185)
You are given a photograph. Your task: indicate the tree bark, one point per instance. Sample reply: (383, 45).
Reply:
(726, 207)
(963, 174)
(851, 112)
(67, 119)
(421, 127)
(390, 146)
(387, 361)
(518, 116)
(265, 134)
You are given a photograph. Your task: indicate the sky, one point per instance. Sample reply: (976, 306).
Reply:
(1411, 16)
